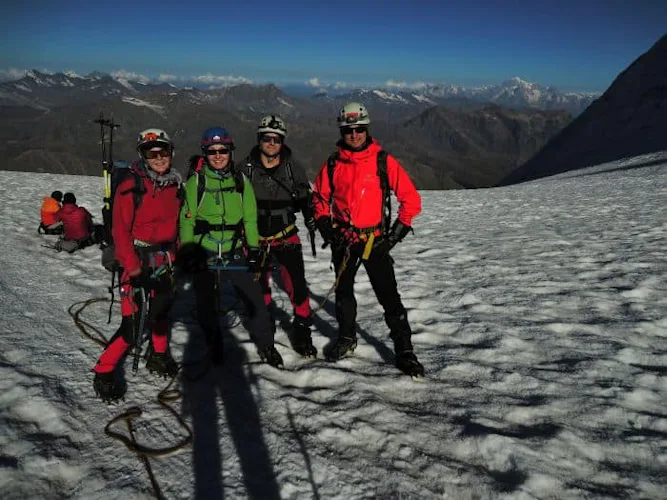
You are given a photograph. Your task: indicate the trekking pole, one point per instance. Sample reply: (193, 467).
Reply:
(107, 168)
(139, 332)
(311, 237)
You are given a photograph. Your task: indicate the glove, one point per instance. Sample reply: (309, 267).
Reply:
(143, 280)
(254, 260)
(311, 225)
(329, 234)
(309, 217)
(396, 234)
(191, 258)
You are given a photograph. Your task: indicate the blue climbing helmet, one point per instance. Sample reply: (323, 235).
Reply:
(216, 135)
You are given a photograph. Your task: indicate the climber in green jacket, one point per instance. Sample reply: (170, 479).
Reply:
(219, 240)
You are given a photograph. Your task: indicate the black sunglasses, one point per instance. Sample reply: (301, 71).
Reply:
(349, 130)
(213, 152)
(269, 138)
(151, 155)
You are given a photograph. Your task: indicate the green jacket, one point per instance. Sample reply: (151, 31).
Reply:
(219, 205)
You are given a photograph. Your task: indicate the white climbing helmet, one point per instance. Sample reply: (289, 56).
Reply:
(353, 113)
(272, 124)
(153, 137)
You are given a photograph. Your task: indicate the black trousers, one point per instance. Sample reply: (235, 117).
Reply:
(290, 258)
(208, 313)
(380, 270)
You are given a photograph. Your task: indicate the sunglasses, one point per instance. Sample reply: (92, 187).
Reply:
(214, 152)
(350, 130)
(151, 155)
(268, 138)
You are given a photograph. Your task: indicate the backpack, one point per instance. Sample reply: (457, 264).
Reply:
(120, 171)
(384, 185)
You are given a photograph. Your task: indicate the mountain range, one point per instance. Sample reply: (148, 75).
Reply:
(42, 91)
(48, 125)
(446, 137)
(513, 93)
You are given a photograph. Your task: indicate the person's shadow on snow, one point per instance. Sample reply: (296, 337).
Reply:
(205, 386)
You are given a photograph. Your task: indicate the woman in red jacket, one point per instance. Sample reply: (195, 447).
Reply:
(144, 229)
(350, 213)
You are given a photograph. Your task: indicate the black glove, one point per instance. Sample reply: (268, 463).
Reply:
(143, 280)
(329, 234)
(309, 216)
(396, 234)
(309, 219)
(191, 258)
(254, 260)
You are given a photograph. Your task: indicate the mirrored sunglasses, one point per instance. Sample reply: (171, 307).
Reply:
(269, 138)
(213, 152)
(350, 130)
(151, 155)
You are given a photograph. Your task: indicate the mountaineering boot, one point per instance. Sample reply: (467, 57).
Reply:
(406, 361)
(271, 356)
(162, 363)
(302, 343)
(106, 387)
(408, 364)
(342, 347)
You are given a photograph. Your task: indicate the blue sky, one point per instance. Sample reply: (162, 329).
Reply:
(575, 45)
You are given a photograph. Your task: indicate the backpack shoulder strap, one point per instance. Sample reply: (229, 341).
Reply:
(290, 175)
(382, 168)
(386, 192)
(239, 181)
(138, 189)
(201, 186)
(331, 165)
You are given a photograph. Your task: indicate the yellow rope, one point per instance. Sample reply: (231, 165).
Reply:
(343, 266)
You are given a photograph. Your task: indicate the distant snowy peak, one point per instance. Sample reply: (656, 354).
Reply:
(627, 120)
(34, 78)
(515, 92)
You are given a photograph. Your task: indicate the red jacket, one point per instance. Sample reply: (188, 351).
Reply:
(48, 211)
(357, 198)
(77, 221)
(155, 221)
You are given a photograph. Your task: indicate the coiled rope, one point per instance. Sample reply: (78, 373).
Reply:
(164, 397)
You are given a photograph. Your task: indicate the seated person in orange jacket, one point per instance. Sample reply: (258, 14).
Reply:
(78, 224)
(50, 206)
